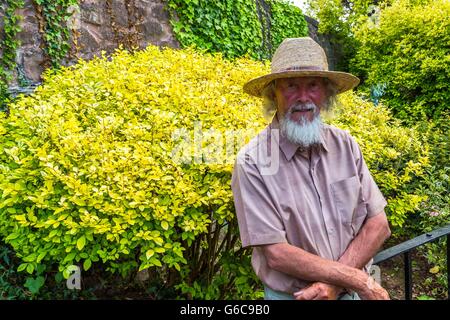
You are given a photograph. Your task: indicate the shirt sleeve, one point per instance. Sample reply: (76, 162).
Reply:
(371, 194)
(259, 222)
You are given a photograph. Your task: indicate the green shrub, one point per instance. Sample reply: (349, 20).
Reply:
(10, 286)
(408, 51)
(435, 213)
(22, 286)
(340, 20)
(436, 134)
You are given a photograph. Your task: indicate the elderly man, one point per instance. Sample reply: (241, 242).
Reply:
(317, 219)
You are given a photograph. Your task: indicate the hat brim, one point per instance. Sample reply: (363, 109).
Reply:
(343, 81)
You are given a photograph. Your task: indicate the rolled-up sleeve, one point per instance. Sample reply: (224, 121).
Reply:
(259, 221)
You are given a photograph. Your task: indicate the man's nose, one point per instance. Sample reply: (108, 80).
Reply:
(302, 95)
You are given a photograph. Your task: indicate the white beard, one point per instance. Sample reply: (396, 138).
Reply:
(304, 132)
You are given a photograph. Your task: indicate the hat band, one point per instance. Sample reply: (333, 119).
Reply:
(299, 68)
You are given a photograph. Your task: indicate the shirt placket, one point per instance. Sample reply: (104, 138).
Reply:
(329, 225)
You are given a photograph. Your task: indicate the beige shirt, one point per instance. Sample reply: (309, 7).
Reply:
(316, 200)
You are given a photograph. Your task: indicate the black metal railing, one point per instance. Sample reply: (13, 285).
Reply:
(405, 249)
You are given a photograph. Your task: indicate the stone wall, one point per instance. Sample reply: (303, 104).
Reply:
(98, 26)
(95, 26)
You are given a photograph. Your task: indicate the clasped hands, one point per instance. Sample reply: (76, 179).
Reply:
(324, 291)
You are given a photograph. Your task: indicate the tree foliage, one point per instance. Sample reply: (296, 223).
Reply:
(408, 51)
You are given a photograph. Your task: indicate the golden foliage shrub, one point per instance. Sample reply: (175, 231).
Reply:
(90, 170)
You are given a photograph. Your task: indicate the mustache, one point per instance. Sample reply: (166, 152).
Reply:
(309, 106)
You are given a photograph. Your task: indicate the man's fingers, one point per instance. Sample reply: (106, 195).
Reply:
(318, 291)
(297, 295)
(307, 294)
(310, 295)
(319, 297)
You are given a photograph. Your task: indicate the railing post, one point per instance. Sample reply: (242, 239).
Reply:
(408, 276)
(448, 266)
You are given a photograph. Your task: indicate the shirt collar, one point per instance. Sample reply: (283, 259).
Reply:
(290, 148)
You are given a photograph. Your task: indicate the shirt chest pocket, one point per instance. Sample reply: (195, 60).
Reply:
(347, 199)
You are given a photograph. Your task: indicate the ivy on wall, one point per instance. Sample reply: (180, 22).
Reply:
(230, 26)
(236, 27)
(53, 14)
(287, 22)
(8, 47)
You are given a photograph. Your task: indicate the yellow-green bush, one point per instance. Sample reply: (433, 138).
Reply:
(91, 170)
(87, 174)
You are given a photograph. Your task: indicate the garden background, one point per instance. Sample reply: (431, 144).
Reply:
(119, 159)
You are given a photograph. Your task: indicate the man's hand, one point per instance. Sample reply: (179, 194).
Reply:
(318, 291)
(323, 291)
(373, 291)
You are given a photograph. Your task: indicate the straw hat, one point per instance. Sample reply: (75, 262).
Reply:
(300, 57)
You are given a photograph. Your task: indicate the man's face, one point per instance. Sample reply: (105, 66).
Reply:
(295, 95)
